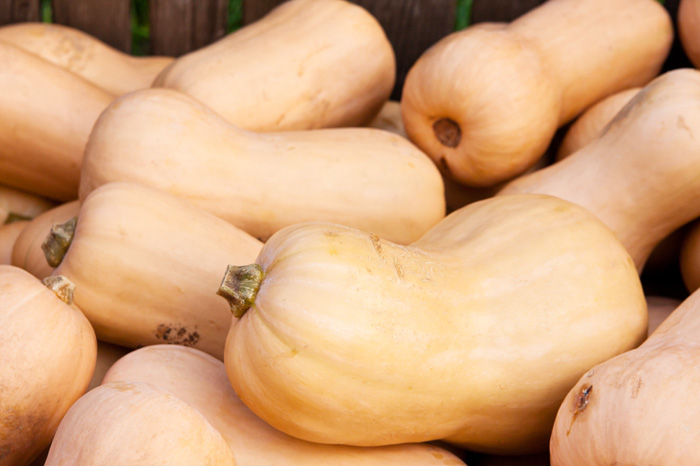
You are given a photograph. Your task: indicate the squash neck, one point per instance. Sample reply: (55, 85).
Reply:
(240, 286)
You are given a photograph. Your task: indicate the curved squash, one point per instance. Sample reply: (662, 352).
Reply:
(640, 176)
(147, 265)
(88, 57)
(591, 123)
(688, 20)
(361, 177)
(8, 237)
(136, 424)
(200, 380)
(485, 102)
(267, 76)
(46, 114)
(27, 253)
(606, 417)
(20, 205)
(48, 356)
(466, 335)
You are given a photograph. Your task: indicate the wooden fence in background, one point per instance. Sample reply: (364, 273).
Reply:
(179, 26)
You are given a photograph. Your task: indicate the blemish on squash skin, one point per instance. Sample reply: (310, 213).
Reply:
(376, 244)
(177, 335)
(448, 132)
(581, 402)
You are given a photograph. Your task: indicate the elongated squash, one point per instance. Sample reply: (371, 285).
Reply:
(472, 334)
(607, 415)
(640, 176)
(136, 424)
(200, 380)
(267, 76)
(147, 266)
(48, 356)
(485, 102)
(361, 177)
(46, 114)
(88, 57)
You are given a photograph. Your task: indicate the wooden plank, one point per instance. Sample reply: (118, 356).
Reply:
(108, 20)
(178, 27)
(16, 11)
(501, 10)
(253, 10)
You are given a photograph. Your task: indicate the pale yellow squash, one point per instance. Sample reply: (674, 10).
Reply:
(472, 334)
(261, 182)
(85, 55)
(640, 176)
(136, 424)
(306, 64)
(485, 102)
(200, 380)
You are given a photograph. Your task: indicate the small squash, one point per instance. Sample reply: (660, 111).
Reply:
(640, 176)
(27, 253)
(485, 102)
(93, 60)
(147, 266)
(136, 424)
(46, 114)
(261, 182)
(473, 334)
(48, 352)
(200, 380)
(639, 407)
(267, 76)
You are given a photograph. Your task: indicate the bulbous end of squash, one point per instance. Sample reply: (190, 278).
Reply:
(58, 241)
(240, 286)
(62, 287)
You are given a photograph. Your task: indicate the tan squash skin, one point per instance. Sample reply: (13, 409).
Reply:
(640, 176)
(48, 356)
(8, 236)
(46, 114)
(640, 407)
(27, 253)
(389, 118)
(472, 334)
(690, 258)
(361, 177)
(16, 204)
(147, 266)
(200, 380)
(592, 122)
(76, 51)
(136, 424)
(485, 102)
(107, 355)
(267, 76)
(659, 308)
(688, 20)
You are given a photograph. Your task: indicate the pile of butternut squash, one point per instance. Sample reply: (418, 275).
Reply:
(248, 255)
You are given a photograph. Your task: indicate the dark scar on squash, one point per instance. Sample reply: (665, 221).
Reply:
(177, 335)
(581, 402)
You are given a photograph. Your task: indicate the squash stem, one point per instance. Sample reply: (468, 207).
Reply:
(240, 286)
(58, 241)
(61, 286)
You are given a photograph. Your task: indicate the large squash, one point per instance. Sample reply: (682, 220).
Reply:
(306, 64)
(640, 177)
(485, 102)
(200, 380)
(261, 182)
(472, 334)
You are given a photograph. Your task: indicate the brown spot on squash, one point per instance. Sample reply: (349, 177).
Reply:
(176, 335)
(448, 132)
(581, 401)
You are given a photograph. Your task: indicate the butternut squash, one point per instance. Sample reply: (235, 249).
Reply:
(690, 258)
(659, 308)
(261, 182)
(107, 355)
(267, 76)
(389, 118)
(485, 102)
(8, 236)
(639, 177)
(592, 122)
(688, 20)
(27, 253)
(46, 114)
(20, 205)
(48, 356)
(136, 424)
(473, 334)
(147, 266)
(200, 380)
(635, 408)
(85, 55)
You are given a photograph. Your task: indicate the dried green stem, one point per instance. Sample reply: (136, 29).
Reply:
(240, 286)
(58, 241)
(61, 286)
